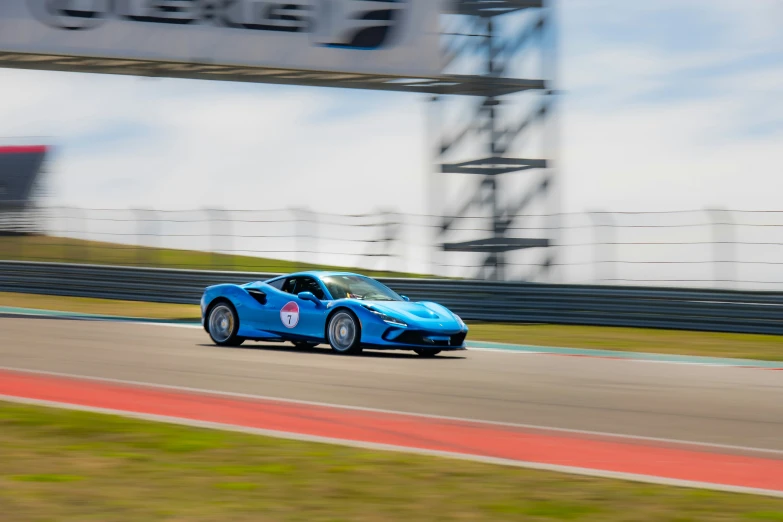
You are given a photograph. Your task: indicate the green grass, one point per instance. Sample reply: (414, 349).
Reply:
(744, 346)
(678, 342)
(87, 305)
(45, 478)
(66, 250)
(127, 470)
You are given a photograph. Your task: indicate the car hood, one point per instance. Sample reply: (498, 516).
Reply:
(425, 314)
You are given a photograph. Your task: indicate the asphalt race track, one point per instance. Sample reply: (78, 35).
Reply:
(716, 405)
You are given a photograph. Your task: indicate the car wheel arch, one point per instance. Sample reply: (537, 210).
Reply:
(332, 314)
(234, 340)
(216, 301)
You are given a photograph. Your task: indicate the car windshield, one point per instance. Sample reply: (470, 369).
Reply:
(358, 287)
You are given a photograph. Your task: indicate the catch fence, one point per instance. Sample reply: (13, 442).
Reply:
(699, 249)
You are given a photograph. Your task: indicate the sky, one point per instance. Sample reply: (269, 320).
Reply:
(672, 104)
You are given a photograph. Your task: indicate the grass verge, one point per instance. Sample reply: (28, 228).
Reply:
(86, 305)
(742, 346)
(66, 250)
(65, 465)
(675, 342)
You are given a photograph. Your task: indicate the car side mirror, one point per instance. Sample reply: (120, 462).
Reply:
(308, 296)
(405, 298)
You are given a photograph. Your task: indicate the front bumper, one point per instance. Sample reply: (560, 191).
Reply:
(426, 339)
(406, 347)
(409, 339)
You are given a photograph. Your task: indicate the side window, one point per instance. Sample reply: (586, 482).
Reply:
(278, 283)
(296, 285)
(290, 285)
(308, 284)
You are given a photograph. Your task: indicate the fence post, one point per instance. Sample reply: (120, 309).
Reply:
(401, 250)
(146, 226)
(314, 231)
(64, 226)
(77, 218)
(139, 236)
(306, 236)
(88, 248)
(723, 246)
(391, 235)
(220, 233)
(213, 234)
(604, 243)
(228, 223)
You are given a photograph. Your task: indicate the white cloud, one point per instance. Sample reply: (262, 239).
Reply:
(667, 157)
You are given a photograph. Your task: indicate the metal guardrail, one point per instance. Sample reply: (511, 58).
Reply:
(673, 308)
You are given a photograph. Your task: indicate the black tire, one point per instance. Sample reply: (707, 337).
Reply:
(426, 353)
(344, 333)
(304, 344)
(223, 324)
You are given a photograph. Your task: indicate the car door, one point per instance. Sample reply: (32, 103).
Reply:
(300, 317)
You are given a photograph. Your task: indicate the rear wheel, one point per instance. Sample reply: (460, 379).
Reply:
(223, 325)
(426, 353)
(344, 333)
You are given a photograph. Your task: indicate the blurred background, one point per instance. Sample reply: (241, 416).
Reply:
(661, 143)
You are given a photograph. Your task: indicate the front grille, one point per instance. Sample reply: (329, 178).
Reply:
(419, 338)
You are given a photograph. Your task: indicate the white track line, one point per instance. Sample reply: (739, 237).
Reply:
(403, 449)
(624, 437)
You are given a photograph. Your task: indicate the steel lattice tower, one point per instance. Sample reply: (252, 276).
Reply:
(489, 38)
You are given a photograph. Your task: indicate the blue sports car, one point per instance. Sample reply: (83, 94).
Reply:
(348, 311)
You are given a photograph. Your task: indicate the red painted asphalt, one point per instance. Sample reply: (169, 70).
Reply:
(464, 437)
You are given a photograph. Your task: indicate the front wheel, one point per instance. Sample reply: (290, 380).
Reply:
(345, 333)
(223, 325)
(426, 353)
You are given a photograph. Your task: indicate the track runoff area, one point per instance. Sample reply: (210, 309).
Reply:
(713, 427)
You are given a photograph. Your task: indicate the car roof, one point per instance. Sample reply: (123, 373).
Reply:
(319, 274)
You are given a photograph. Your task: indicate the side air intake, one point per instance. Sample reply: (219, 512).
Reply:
(258, 295)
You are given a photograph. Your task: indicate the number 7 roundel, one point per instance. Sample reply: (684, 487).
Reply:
(289, 315)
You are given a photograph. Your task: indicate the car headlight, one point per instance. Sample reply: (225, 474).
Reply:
(387, 318)
(460, 321)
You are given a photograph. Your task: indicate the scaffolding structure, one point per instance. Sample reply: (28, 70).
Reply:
(488, 146)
